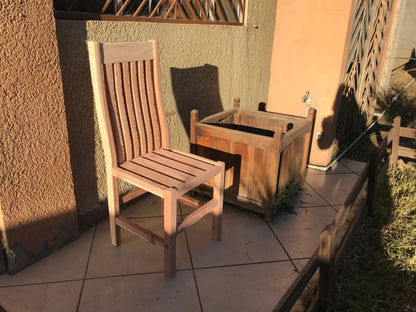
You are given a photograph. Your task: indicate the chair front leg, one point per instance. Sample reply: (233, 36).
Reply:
(113, 209)
(170, 228)
(218, 194)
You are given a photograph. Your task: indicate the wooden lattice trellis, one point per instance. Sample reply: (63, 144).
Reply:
(359, 94)
(183, 11)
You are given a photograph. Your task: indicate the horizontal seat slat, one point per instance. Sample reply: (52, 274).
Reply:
(150, 174)
(162, 169)
(174, 164)
(139, 181)
(186, 159)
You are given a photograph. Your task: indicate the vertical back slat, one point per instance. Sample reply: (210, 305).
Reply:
(128, 87)
(134, 100)
(137, 108)
(152, 104)
(101, 104)
(159, 99)
(121, 105)
(144, 106)
(113, 110)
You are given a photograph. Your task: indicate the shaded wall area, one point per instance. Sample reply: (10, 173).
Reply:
(202, 67)
(196, 88)
(37, 204)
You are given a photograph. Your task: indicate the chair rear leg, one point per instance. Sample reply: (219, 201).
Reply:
(170, 227)
(113, 209)
(218, 194)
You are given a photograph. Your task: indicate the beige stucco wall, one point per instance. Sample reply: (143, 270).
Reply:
(309, 53)
(202, 66)
(37, 203)
(399, 42)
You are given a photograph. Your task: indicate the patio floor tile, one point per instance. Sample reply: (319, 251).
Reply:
(134, 255)
(300, 263)
(147, 205)
(149, 292)
(248, 270)
(299, 233)
(245, 239)
(254, 287)
(68, 263)
(354, 165)
(333, 188)
(308, 198)
(42, 297)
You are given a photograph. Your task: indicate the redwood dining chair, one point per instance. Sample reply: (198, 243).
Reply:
(134, 131)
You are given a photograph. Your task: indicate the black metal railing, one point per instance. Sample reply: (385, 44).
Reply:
(182, 11)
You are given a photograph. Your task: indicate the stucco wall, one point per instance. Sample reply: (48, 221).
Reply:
(37, 203)
(202, 67)
(405, 37)
(400, 42)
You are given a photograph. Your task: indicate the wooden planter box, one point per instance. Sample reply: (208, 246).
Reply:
(262, 152)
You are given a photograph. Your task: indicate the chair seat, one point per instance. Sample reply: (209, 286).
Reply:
(167, 168)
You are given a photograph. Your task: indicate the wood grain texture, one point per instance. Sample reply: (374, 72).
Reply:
(132, 120)
(251, 155)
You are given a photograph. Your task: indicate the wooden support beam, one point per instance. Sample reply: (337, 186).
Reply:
(292, 294)
(134, 193)
(396, 140)
(408, 133)
(197, 214)
(189, 201)
(140, 231)
(326, 266)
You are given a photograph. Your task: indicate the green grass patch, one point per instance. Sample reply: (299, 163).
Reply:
(379, 269)
(283, 201)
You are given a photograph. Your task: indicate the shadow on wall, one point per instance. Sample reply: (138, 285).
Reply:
(53, 233)
(196, 88)
(79, 109)
(346, 123)
(410, 66)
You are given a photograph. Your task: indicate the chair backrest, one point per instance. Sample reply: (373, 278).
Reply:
(128, 98)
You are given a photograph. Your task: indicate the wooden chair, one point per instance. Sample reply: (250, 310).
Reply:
(134, 131)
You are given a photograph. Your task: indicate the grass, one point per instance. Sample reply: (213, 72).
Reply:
(284, 198)
(379, 269)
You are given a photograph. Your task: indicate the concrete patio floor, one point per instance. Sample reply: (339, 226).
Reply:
(248, 270)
